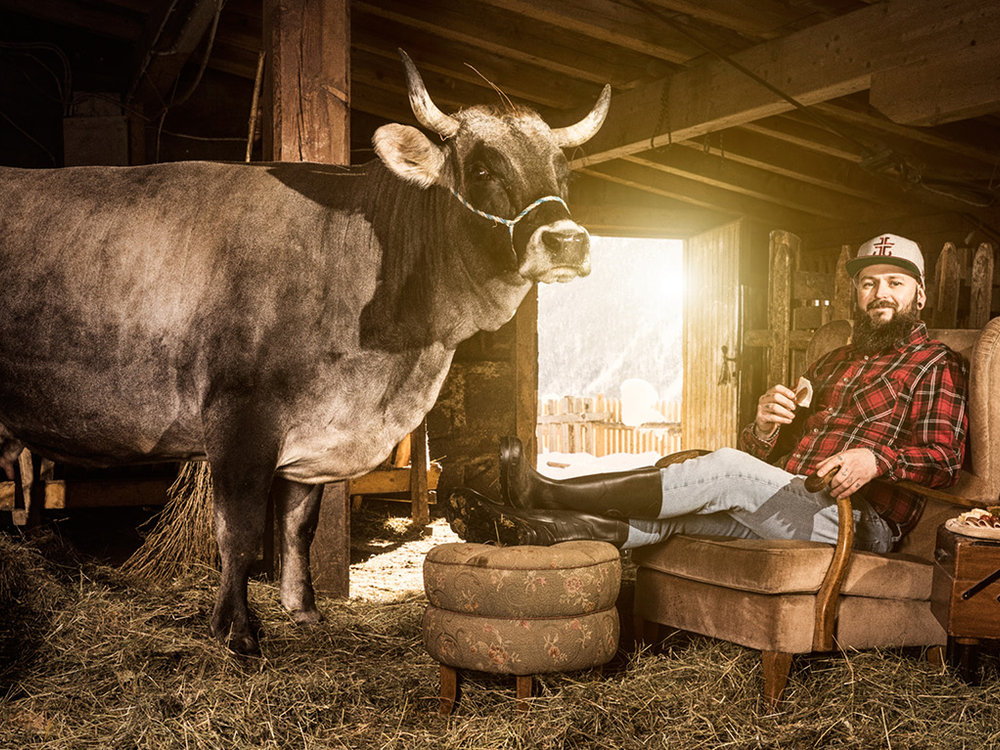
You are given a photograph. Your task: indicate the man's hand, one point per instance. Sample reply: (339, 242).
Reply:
(775, 408)
(857, 467)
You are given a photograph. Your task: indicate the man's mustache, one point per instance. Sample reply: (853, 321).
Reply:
(880, 304)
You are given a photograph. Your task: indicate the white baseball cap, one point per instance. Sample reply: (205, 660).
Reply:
(889, 249)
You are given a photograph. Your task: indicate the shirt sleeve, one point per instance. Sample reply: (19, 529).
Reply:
(933, 454)
(756, 446)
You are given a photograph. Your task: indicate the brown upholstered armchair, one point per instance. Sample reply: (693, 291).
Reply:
(785, 597)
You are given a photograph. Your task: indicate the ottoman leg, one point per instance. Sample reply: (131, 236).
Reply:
(525, 687)
(449, 690)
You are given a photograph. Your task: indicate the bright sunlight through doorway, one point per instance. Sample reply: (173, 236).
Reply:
(609, 359)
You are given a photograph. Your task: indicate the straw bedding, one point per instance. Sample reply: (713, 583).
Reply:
(93, 659)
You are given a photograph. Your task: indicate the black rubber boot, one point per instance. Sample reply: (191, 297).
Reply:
(625, 494)
(476, 518)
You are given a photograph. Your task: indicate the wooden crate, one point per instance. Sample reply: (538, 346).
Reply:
(967, 585)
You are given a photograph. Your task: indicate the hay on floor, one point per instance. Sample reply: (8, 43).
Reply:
(123, 665)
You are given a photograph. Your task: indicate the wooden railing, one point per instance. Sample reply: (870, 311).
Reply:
(575, 424)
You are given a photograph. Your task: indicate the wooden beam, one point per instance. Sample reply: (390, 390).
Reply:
(805, 136)
(171, 39)
(610, 22)
(510, 37)
(104, 22)
(822, 62)
(953, 85)
(858, 116)
(768, 19)
(308, 80)
(705, 196)
(464, 63)
(613, 210)
(753, 182)
(756, 149)
(307, 118)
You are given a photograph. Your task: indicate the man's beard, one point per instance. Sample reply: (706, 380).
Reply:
(871, 337)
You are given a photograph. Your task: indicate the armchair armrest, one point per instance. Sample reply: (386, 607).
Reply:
(829, 590)
(942, 495)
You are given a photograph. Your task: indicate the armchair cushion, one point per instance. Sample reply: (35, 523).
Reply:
(782, 623)
(780, 566)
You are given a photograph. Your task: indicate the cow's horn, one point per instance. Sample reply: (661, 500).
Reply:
(426, 111)
(584, 130)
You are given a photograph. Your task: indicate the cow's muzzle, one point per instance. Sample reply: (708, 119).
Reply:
(559, 251)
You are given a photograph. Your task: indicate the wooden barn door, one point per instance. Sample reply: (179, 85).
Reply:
(712, 338)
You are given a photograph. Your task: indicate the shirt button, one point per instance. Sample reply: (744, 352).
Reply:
(798, 455)
(816, 429)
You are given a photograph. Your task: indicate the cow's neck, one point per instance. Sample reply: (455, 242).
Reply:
(440, 279)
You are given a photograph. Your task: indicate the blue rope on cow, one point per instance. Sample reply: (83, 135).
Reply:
(510, 223)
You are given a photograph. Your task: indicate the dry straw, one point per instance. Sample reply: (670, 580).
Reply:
(116, 665)
(183, 541)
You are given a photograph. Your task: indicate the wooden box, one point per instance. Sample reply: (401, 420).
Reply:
(966, 592)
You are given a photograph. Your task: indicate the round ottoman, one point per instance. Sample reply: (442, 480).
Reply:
(520, 610)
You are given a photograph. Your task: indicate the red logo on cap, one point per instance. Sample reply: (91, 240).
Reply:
(883, 245)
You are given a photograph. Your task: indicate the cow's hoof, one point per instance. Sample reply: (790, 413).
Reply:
(244, 645)
(306, 616)
(239, 640)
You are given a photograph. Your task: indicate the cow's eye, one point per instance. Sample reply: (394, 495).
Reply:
(481, 173)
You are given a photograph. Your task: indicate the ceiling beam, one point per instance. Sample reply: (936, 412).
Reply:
(698, 194)
(767, 20)
(611, 22)
(805, 136)
(822, 62)
(857, 116)
(106, 22)
(755, 149)
(510, 37)
(171, 40)
(752, 182)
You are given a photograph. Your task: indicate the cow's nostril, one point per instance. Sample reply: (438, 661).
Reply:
(569, 240)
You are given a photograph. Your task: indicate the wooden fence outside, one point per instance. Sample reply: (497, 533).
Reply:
(576, 424)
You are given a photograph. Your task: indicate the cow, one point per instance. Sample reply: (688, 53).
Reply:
(289, 323)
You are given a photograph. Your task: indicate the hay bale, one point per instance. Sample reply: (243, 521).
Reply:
(183, 542)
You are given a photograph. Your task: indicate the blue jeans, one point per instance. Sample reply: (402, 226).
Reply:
(731, 493)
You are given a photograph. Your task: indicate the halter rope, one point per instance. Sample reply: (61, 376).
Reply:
(509, 223)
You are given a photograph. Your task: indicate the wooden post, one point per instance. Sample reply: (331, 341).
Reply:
(947, 281)
(526, 373)
(308, 80)
(419, 510)
(981, 283)
(843, 288)
(307, 118)
(784, 250)
(330, 553)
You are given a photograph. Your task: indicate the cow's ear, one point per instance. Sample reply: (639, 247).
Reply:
(409, 153)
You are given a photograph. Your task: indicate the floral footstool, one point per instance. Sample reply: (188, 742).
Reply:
(521, 610)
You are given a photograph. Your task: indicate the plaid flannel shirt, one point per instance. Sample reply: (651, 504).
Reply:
(906, 405)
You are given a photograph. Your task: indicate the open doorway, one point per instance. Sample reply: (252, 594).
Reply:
(610, 360)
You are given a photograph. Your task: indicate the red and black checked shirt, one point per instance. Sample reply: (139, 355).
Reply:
(907, 405)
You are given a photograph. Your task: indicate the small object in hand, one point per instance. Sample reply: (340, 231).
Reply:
(803, 392)
(815, 482)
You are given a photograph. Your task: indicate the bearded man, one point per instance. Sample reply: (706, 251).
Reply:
(889, 406)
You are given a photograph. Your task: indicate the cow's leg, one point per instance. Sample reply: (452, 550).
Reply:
(243, 463)
(296, 507)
